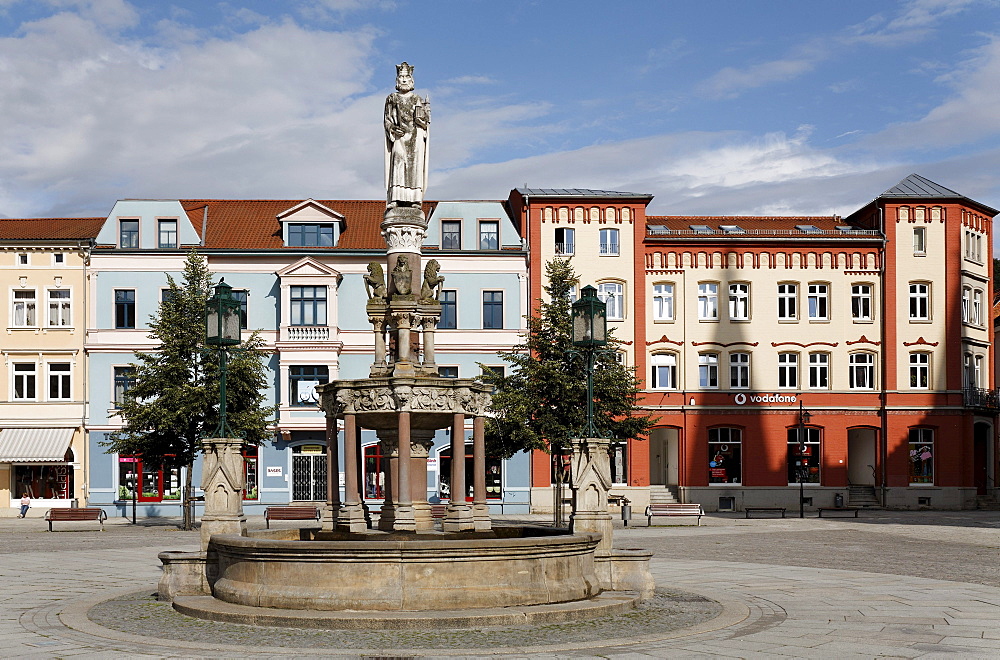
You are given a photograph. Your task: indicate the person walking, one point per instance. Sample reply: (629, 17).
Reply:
(25, 505)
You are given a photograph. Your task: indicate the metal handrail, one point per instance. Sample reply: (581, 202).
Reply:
(763, 232)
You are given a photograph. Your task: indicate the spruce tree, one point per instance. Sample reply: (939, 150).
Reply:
(174, 402)
(540, 403)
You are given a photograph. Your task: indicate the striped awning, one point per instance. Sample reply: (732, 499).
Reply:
(34, 445)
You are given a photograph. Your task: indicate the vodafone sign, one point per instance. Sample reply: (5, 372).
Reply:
(742, 399)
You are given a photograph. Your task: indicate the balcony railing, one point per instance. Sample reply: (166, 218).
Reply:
(976, 397)
(307, 333)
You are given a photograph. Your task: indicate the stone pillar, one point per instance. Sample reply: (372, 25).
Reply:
(429, 324)
(390, 466)
(329, 520)
(360, 453)
(459, 516)
(480, 510)
(352, 516)
(421, 441)
(404, 503)
(590, 482)
(222, 480)
(378, 325)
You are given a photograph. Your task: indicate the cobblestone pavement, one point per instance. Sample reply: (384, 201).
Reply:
(888, 584)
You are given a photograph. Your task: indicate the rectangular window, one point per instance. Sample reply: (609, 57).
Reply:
(739, 371)
(663, 302)
(921, 442)
(451, 235)
(498, 371)
(708, 370)
(788, 370)
(124, 308)
(708, 301)
(920, 296)
(310, 235)
(58, 259)
(609, 241)
(966, 304)
(725, 456)
(24, 311)
(303, 381)
(60, 381)
(861, 302)
(167, 234)
(308, 305)
(565, 240)
(919, 241)
(977, 307)
(448, 372)
(24, 381)
(243, 296)
(787, 302)
(128, 233)
(803, 455)
(819, 371)
(920, 367)
(489, 235)
(664, 371)
(449, 310)
(739, 302)
(492, 310)
(819, 295)
(862, 371)
(60, 308)
(22, 259)
(612, 294)
(124, 381)
(968, 373)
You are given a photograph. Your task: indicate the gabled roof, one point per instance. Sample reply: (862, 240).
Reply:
(253, 224)
(50, 229)
(917, 186)
(579, 192)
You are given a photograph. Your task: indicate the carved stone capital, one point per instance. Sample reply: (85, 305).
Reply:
(372, 399)
(403, 238)
(432, 399)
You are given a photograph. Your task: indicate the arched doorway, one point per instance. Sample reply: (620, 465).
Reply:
(862, 451)
(981, 457)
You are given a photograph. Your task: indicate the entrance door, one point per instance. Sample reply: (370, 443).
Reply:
(980, 457)
(861, 456)
(309, 473)
(663, 457)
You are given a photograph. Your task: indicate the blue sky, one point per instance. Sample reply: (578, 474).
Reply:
(714, 107)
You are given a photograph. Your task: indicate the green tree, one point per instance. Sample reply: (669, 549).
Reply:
(174, 402)
(541, 402)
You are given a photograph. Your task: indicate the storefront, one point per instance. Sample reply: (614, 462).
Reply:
(40, 464)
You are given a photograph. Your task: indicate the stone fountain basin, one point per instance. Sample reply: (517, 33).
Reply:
(311, 570)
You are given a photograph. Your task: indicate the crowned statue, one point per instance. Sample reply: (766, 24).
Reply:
(407, 122)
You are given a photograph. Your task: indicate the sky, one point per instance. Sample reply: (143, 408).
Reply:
(715, 107)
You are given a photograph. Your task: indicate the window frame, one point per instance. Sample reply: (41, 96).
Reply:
(818, 293)
(669, 365)
(300, 304)
(450, 238)
(663, 301)
(819, 370)
(124, 310)
(297, 373)
(64, 307)
(723, 445)
(788, 370)
(484, 235)
(62, 378)
(25, 379)
(133, 234)
(493, 309)
(161, 225)
(920, 241)
(860, 300)
(788, 297)
(813, 460)
(123, 379)
(861, 372)
(708, 301)
(29, 305)
(708, 370)
(920, 437)
(739, 370)
(449, 310)
(311, 234)
(918, 299)
(737, 297)
(920, 370)
(564, 247)
(609, 243)
(614, 310)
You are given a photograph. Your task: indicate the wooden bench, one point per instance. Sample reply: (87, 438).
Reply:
(76, 515)
(672, 510)
(776, 509)
(841, 509)
(290, 513)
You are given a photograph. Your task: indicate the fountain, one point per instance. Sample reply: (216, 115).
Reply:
(405, 569)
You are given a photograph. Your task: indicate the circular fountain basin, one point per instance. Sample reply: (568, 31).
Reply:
(387, 572)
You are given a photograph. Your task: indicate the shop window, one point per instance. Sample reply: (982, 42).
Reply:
(494, 475)
(664, 375)
(619, 462)
(725, 456)
(804, 456)
(24, 309)
(60, 308)
(374, 485)
(44, 482)
(155, 484)
(303, 381)
(921, 443)
(308, 305)
(251, 489)
(309, 473)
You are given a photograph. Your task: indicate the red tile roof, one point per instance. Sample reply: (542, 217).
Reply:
(252, 224)
(49, 229)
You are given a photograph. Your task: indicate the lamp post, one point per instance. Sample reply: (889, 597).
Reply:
(590, 331)
(804, 418)
(222, 330)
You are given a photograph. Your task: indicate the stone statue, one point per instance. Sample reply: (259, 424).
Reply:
(402, 276)
(431, 289)
(407, 119)
(375, 282)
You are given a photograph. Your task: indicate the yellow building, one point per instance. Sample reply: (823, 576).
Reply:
(43, 448)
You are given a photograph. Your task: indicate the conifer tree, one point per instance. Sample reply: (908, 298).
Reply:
(174, 401)
(540, 403)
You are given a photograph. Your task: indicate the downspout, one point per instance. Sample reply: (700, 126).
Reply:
(884, 413)
(84, 263)
(204, 224)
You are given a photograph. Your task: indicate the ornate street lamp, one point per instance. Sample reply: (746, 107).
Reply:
(222, 330)
(590, 331)
(804, 417)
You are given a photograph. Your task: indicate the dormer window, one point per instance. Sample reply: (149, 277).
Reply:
(310, 234)
(128, 233)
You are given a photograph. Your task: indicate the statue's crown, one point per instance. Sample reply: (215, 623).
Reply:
(404, 68)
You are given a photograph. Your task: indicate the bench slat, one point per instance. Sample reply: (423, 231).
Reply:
(290, 513)
(673, 510)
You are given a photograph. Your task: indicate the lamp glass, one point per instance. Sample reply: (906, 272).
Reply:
(222, 321)
(589, 319)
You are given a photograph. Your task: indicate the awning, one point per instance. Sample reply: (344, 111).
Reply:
(34, 445)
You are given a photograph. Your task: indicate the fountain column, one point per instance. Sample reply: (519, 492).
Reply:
(459, 517)
(480, 509)
(404, 504)
(351, 517)
(331, 510)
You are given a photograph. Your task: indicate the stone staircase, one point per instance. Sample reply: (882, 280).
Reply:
(663, 495)
(862, 496)
(987, 503)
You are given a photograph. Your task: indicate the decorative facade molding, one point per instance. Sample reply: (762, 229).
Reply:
(864, 340)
